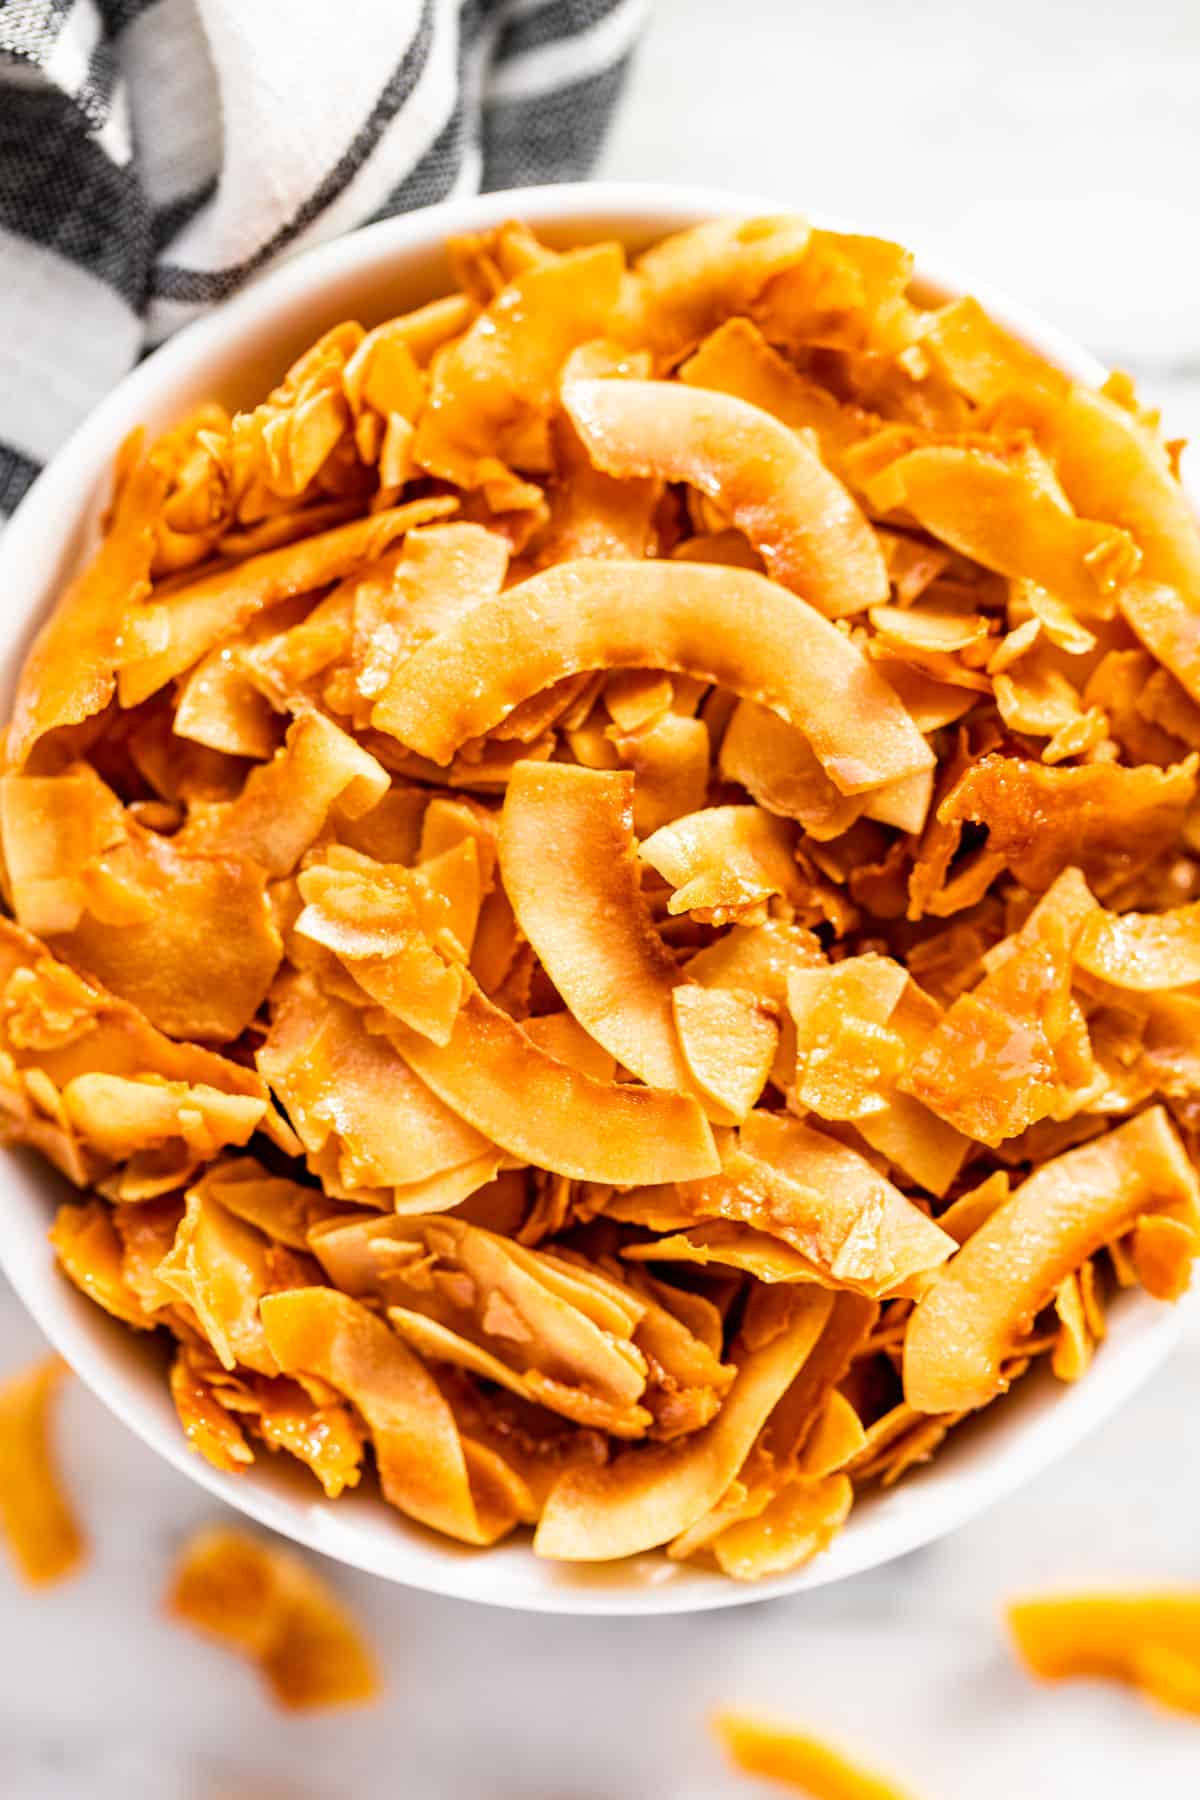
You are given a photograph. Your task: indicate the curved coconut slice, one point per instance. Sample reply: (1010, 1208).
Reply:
(728, 626)
(544, 1112)
(771, 483)
(423, 1466)
(648, 1496)
(590, 925)
(976, 1312)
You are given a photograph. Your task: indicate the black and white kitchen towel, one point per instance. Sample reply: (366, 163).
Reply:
(156, 153)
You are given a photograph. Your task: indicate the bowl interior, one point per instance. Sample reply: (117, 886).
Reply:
(234, 356)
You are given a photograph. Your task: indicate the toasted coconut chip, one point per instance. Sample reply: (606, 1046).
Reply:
(538, 1445)
(147, 1230)
(188, 940)
(70, 673)
(1037, 699)
(726, 862)
(846, 1058)
(846, 290)
(635, 698)
(670, 761)
(972, 1209)
(167, 638)
(549, 1114)
(736, 359)
(1011, 1050)
(284, 805)
(1112, 467)
(927, 628)
(282, 1209)
(647, 1496)
(729, 1040)
(723, 625)
(592, 513)
(1071, 1206)
(689, 282)
(272, 1608)
(423, 1468)
(296, 657)
(602, 951)
(1006, 516)
(982, 359)
(413, 593)
(835, 1439)
(210, 1429)
(723, 1242)
(756, 958)
(218, 705)
(134, 913)
(303, 1418)
(58, 1029)
(36, 1521)
(776, 765)
(903, 804)
(53, 828)
(1100, 817)
(824, 1200)
(351, 1097)
(221, 1267)
(89, 1254)
(118, 1116)
(394, 934)
(493, 388)
(930, 702)
(438, 1193)
(1143, 952)
(1150, 1641)
(553, 1333)
(850, 1226)
(768, 480)
(796, 1524)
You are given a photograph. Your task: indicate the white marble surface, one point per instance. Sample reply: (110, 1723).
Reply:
(1051, 146)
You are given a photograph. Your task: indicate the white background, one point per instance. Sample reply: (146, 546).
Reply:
(1053, 147)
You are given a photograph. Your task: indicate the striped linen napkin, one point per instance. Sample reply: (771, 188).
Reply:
(154, 154)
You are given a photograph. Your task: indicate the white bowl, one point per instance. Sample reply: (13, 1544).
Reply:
(234, 355)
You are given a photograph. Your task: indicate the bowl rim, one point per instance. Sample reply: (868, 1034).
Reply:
(64, 490)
